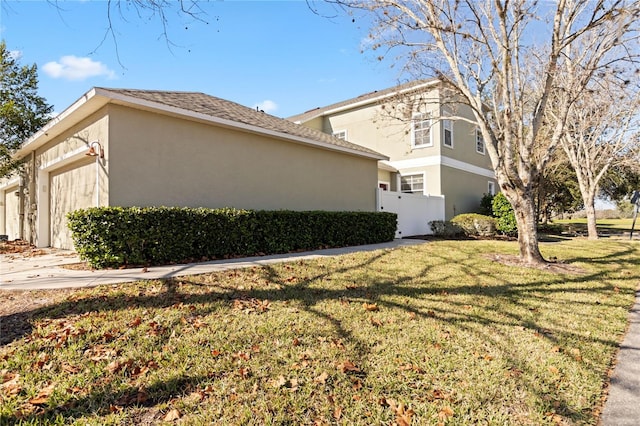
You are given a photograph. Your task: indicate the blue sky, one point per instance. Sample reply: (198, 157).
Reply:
(276, 54)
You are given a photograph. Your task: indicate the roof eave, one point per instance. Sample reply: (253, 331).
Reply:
(84, 106)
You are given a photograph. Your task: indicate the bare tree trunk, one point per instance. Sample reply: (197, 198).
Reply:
(527, 228)
(591, 220)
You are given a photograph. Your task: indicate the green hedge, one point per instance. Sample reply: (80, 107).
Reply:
(116, 236)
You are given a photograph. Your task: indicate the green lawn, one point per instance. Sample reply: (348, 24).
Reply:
(610, 226)
(430, 334)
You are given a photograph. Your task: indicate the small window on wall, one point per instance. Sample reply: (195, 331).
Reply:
(447, 133)
(491, 189)
(342, 134)
(421, 131)
(479, 142)
(412, 184)
(383, 185)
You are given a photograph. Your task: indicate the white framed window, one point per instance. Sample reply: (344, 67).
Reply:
(385, 186)
(341, 134)
(421, 131)
(447, 133)
(491, 187)
(412, 183)
(479, 142)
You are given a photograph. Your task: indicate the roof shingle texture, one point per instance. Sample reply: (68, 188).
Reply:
(316, 112)
(220, 108)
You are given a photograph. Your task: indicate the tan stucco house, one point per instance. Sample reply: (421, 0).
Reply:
(116, 147)
(433, 144)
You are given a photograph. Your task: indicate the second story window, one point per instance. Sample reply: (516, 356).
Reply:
(421, 131)
(447, 133)
(479, 142)
(342, 134)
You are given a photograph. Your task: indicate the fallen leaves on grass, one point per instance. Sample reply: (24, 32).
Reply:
(251, 306)
(43, 395)
(348, 367)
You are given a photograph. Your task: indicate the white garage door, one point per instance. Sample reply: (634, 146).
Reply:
(71, 188)
(11, 215)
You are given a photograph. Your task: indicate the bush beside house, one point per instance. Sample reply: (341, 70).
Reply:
(116, 236)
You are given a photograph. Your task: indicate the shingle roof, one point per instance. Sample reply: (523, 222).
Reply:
(371, 96)
(212, 106)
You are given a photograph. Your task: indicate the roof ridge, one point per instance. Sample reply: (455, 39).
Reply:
(318, 111)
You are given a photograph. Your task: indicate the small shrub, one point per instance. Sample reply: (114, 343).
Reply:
(474, 224)
(550, 228)
(486, 205)
(505, 217)
(445, 229)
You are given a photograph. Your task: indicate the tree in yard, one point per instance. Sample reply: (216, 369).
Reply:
(22, 110)
(504, 59)
(603, 129)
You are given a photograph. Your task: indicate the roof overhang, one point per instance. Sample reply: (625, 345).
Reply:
(96, 98)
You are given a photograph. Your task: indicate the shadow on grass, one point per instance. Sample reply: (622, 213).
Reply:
(382, 290)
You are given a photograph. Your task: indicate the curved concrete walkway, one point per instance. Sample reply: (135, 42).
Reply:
(19, 272)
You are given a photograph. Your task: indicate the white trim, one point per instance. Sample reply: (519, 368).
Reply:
(384, 165)
(66, 158)
(377, 98)
(9, 183)
(440, 160)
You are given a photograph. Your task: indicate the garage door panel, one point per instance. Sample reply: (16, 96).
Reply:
(71, 188)
(12, 216)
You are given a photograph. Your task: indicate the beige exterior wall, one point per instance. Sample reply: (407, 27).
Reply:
(161, 160)
(65, 180)
(386, 128)
(463, 191)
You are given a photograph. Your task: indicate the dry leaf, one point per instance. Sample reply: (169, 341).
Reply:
(348, 366)
(43, 395)
(445, 413)
(172, 415)
(322, 378)
(337, 413)
(375, 322)
(371, 307)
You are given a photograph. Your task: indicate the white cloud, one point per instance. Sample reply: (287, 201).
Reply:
(267, 106)
(74, 68)
(15, 54)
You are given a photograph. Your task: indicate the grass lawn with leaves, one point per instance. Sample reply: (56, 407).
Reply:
(439, 333)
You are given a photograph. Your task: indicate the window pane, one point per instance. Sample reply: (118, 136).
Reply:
(421, 130)
(447, 125)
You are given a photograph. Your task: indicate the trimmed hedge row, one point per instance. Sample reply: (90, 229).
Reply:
(116, 236)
